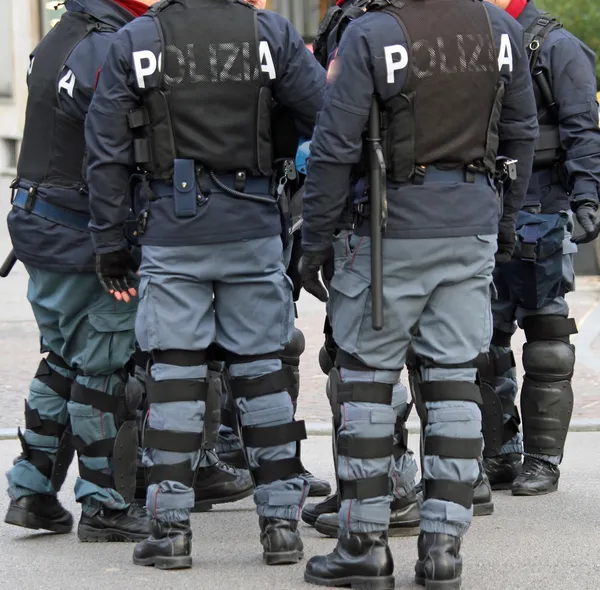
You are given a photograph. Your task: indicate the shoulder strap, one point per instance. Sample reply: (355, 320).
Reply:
(536, 34)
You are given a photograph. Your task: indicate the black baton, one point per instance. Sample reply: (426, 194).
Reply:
(8, 264)
(378, 212)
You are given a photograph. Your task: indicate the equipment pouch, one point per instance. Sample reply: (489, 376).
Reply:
(535, 272)
(184, 188)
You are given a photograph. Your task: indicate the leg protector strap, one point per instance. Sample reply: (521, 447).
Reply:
(170, 440)
(38, 459)
(269, 471)
(364, 448)
(180, 472)
(176, 390)
(54, 380)
(548, 327)
(276, 382)
(438, 391)
(363, 489)
(102, 480)
(272, 436)
(455, 448)
(449, 491)
(41, 426)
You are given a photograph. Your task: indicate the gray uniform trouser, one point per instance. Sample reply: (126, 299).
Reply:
(237, 295)
(507, 315)
(443, 284)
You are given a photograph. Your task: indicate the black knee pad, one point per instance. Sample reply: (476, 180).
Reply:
(290, 355)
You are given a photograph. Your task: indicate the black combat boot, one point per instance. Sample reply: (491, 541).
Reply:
(538, 477)
(220, 484)
(39, 511)
(280, 540)
(169, 546)
(127, 526)
(234, 458)
(439, 566)
(405, 519)
(482, 495)
(311, 512)
(503, 470)
(318, 487)
(359, 560)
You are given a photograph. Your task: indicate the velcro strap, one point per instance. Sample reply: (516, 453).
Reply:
(272, 436)
(270, 471)
(179, 472)
(548, 327)
(372, 393)
(441, 391)
(92, 397)
(99, 448)
(276, 382)
(180, 358)
(456, 448)
(169, 440)
(38, 459)
(58, 361)
(54, 380)
(504, 363)
(449, 491)
(176, 390)
(501, 339)
(34, 423)
(138, 118)
(365, 448)
(363, 489)
(102, 480)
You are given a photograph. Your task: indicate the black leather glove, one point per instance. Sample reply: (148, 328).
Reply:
(589, 220)
(310, 264)
(115, 270)
(507, 240)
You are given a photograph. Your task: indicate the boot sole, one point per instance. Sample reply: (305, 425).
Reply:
(453, 584)
(484, 509)
(206, 505)
(283, 557)
(19, 517)
(526, 492)
(355, 582)
(501, 485)
(165, 563)
(397, 531)
(88, 534)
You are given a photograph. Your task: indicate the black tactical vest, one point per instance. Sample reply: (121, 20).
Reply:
(53, 147)
(214, 103)
(448, 112)
(548, 149)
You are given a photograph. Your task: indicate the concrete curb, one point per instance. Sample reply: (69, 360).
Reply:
(324, 428)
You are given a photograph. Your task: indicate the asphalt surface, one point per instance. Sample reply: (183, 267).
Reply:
(543, 543)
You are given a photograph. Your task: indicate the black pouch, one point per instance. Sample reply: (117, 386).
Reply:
(184, 188)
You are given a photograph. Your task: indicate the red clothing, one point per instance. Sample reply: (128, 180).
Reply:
(516, 7)
(136, 8)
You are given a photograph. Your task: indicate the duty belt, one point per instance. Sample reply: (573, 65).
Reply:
(30, 202)
(432, 174)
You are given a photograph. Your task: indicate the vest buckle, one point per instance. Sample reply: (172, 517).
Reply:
(419, 175)
(31, 198)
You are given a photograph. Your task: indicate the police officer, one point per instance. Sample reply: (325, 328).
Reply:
(82, 395)
(532, 288)
(185, 97)
(404, 516)
(421, 60)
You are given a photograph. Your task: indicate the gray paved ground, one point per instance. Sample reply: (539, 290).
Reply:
(542, 543)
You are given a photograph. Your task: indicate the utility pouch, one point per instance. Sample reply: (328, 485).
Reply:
(184, 188)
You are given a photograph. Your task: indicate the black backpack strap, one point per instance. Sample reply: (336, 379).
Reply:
(535, 36)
